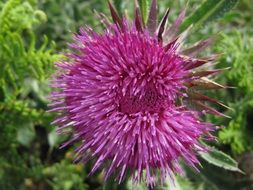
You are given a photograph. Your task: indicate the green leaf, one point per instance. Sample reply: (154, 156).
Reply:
(220, 159)
(26, 134)
(178, 183)
(53, 138)
(144, 9)
(110, 184)
(199, 180)
(139, 186)
(208, 11)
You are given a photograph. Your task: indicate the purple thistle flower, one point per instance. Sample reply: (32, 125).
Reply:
(131, 96)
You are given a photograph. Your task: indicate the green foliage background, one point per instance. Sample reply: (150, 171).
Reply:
(32, 36)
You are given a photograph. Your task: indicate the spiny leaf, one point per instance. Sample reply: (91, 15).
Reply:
(138, 19)
(115, 16)
(162, 25)
(195, 49)
(220, 159)
(118, 6)
(208, 11)
(226, 6)
(144, 10)
(172, 31)
(201, 97)
(152, 18)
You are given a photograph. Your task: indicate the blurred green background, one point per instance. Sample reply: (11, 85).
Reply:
(33, 35)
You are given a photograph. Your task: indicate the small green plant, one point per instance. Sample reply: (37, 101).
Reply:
(24, 64)
(239, 56)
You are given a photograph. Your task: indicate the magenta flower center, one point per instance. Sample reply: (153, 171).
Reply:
(150, 102)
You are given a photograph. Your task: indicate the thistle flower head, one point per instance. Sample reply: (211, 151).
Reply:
(132, 97)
